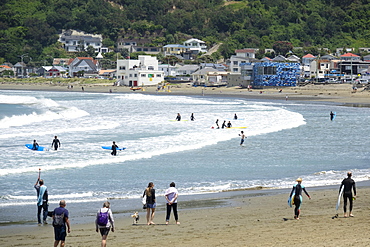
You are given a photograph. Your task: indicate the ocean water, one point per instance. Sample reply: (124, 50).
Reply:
(285, 140)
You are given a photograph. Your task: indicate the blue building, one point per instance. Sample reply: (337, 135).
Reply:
(275, 74)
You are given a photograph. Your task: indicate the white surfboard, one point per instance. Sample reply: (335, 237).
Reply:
(339, 197)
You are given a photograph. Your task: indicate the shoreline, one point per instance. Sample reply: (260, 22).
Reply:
(217, 220)
(251, 217)
(341, 94)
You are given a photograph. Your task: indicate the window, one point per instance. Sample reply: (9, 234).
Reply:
(143, 75)
(122, 67)
(130, 75)
(135, 75)
(269, 70)
(235, 62)
(235, 69)
(150, 67)
(159, 75)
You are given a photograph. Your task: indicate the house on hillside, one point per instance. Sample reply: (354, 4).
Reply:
(174, 49)
(187, 69)
(85, 65)
(196, 45)
(131, 44)
(74, 41)
(141, 72)
(242, 56)
(350, 57)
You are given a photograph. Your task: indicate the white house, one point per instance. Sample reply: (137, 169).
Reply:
(242, 56)
(141, 72)
(187, 69)
(210, 77)
(196, 45)
(72, 41)
(168, 69)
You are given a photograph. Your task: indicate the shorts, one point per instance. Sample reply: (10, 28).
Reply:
(104, 231)
(151, 205)
(60, 233)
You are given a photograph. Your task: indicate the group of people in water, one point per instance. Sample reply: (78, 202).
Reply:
(55, 144)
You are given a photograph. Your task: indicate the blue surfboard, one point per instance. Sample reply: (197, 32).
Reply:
(40, 148)
(110, 148)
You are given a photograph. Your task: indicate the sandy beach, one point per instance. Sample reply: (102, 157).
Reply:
(251, 221)
(244, 219)
(339, 93)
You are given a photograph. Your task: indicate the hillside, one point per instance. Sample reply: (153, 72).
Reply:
(31, 26)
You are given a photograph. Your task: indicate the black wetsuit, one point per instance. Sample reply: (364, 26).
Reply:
(348, 184)
(114, 150)
(178, 118)
(223, 124)
(35, 146)
(56, 143)
(297, 190)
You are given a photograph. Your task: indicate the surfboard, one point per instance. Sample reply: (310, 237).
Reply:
(174, 120)
(237, 128)
(339, 197)
(291, 200)
(110, 148)
(40, 148)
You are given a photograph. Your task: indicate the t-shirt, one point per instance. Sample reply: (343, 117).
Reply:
(61, 210)
(171, 192)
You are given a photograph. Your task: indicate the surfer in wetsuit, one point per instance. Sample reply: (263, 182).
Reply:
(332, 116)
(229, 124)
(348, 184)
(114, 149)
(235, 117)
(223, 124)
(297, 200)
(178, 118)
(55, 143)
(218, 126)
(192, 118)
(35, 145)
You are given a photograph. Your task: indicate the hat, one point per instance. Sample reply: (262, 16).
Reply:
(299, 180)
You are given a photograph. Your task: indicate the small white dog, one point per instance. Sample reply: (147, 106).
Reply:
(135, 217)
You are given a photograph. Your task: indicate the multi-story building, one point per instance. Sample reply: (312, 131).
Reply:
(141, 72)
(75, 41)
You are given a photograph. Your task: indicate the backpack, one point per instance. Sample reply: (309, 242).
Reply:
(58, 220)
(102, 219)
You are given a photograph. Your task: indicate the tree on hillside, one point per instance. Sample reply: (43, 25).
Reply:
(282, 47)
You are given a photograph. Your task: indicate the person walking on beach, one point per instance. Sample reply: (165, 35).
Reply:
(297, 197)
(178, 117)
(348, 184)
(149, 192)
(192, 118)
(42, 200)
(35, 145)
(55, 143)
(242, 137)
(104, 222)
(60, 220)
(114, 149)
(171, 195)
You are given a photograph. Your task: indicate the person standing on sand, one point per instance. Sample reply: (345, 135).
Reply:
(150, 203)
(42, 200)
(60, 232)
(114, 149)
(104, 230)
(242, 137)
(297, 200)
(348, 184)
(171, 195)
(55, 143)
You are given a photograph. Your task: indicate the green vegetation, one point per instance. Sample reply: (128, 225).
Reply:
(31, 26)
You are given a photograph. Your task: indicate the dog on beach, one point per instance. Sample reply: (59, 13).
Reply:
(135, 217)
